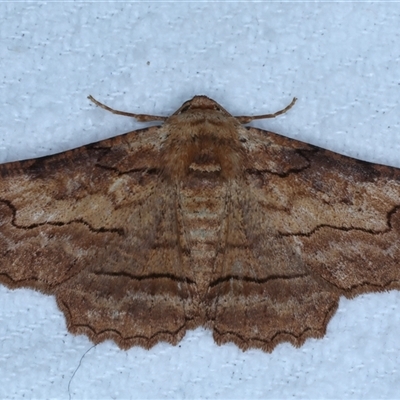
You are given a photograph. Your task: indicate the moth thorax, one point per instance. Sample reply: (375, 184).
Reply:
(205, 157)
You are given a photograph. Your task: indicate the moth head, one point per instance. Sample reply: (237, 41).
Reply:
(201, 103)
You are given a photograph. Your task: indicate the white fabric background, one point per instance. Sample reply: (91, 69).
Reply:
(340, 59)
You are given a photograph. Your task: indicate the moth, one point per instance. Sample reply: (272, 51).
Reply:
(201, 221)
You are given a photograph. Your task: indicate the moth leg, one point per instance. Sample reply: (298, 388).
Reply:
(139, 117)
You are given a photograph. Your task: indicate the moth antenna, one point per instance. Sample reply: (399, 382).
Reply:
(247, 119)
(139, 117)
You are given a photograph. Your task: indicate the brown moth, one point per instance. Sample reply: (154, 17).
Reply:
(199, 222)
